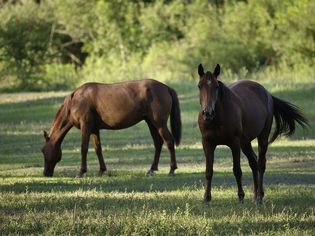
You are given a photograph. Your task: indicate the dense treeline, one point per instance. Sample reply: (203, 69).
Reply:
(62, 43)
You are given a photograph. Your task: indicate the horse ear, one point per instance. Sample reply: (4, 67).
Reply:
(46, 136)
(216, 71)
(200, 70)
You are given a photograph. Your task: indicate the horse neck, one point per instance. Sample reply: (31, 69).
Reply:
(57, 135)
(60, 126)
(224, 101)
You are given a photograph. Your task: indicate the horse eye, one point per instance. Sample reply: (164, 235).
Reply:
(199, 86)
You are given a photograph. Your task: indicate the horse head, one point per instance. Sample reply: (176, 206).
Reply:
(52, 155)
(209, 88)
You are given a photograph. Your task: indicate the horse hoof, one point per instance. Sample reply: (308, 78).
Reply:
(259, 201)
(241, 200)
(171, 174)
(207, 199)
(150, 173)
(79, 176)
(101, 172)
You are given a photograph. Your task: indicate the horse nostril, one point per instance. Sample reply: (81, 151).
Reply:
(208, 115)
(212, 113)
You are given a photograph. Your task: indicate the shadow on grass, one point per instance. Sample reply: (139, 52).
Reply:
(28, 152)
(125, 181)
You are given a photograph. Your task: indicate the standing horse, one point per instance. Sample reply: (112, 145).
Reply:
(95, 106)
(234, 115)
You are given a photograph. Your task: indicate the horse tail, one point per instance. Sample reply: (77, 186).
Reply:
(286, 116)
(176, 123)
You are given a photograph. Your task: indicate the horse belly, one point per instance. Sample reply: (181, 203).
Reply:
(121, 115)
(120, 122)
(254, 122)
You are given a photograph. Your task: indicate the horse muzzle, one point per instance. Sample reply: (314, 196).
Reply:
(208, 115)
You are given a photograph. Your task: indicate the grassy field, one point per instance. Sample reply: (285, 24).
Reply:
(125, 201)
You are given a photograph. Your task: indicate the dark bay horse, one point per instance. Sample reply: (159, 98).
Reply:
(234, 115)
(95, 106)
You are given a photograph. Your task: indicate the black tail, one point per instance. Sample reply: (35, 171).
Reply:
(176, 123)
(286, 114)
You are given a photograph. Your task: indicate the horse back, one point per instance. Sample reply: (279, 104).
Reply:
(120, 105)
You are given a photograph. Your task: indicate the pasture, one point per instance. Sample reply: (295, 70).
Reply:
(126, 202)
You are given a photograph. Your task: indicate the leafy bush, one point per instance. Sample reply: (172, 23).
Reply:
(121, 40)
(31, 48)
(59, 77)
(24, 40)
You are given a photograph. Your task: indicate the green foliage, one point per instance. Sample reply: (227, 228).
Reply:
(33, 51)
(23, 52)
(59, 76)
(121, 40)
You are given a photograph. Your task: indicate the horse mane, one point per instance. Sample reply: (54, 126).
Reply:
(224, 91)
(61, 116)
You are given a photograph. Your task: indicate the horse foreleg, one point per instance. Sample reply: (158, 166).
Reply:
(84, 149)
(169, 141)
(208, 149)
(98, 151)
(158, 142)
(237, 169)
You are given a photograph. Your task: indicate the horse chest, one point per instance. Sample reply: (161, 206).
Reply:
(219, 134)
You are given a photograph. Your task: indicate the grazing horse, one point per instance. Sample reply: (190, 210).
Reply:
(234, 115)
(95, 106)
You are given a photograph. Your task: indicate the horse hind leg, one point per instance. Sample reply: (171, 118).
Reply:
(261, 165)
(98, 151)
(252, 161)
(169, 141)
(262, 149)
(158, 143)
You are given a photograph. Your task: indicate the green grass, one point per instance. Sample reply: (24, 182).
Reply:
(125, 201)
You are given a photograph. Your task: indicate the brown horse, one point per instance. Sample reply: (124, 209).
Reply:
(95, 106)
(234, 115)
